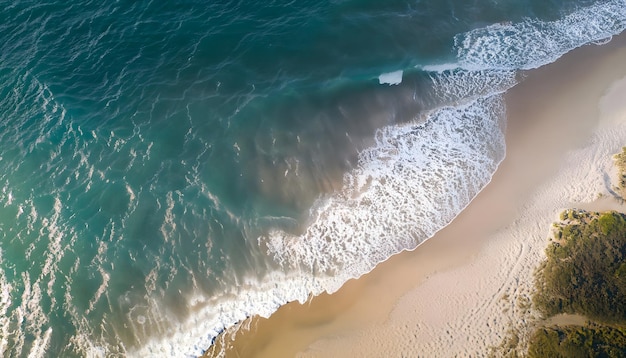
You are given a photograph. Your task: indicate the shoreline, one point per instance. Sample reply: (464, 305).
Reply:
(454, 282)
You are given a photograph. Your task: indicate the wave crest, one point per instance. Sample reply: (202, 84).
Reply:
(413, 182)
(534, 43)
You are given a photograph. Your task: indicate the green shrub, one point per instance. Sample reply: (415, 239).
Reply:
(574, 341)
(584, 272)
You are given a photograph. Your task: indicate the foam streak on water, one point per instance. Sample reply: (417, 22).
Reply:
(5, 303)
(533, 43)
(409, 185)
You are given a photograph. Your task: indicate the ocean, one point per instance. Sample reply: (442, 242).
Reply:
(168, 169)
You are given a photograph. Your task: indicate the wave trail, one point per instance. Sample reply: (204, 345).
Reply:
(534, 43)
(413, 182)
(5, 304)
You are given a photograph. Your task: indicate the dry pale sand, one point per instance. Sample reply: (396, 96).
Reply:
(461, 291)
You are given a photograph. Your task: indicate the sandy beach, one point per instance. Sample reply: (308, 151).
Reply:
(460, 292)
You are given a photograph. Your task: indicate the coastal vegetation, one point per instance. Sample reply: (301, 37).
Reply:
(583, 275)
(585, 269)
(576, 341)
(583, 278)
(579, 298)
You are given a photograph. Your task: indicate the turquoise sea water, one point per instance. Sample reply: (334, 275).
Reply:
(169, 168)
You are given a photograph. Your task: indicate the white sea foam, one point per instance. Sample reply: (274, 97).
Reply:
(5, 303)
(169, 225)
(30, 314)
(440, 67)
(55, 252)
(414, 181)
(211, 315)
(39, 346)
(30, 318)
(83, 341)
(99, 261)
(410, 184)
(131, 194)
(452, 86)
(391, 78)
(533, 43)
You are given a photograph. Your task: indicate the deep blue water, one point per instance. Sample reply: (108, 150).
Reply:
(169, 168)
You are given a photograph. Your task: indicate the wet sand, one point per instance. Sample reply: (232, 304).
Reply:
(459, 292)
